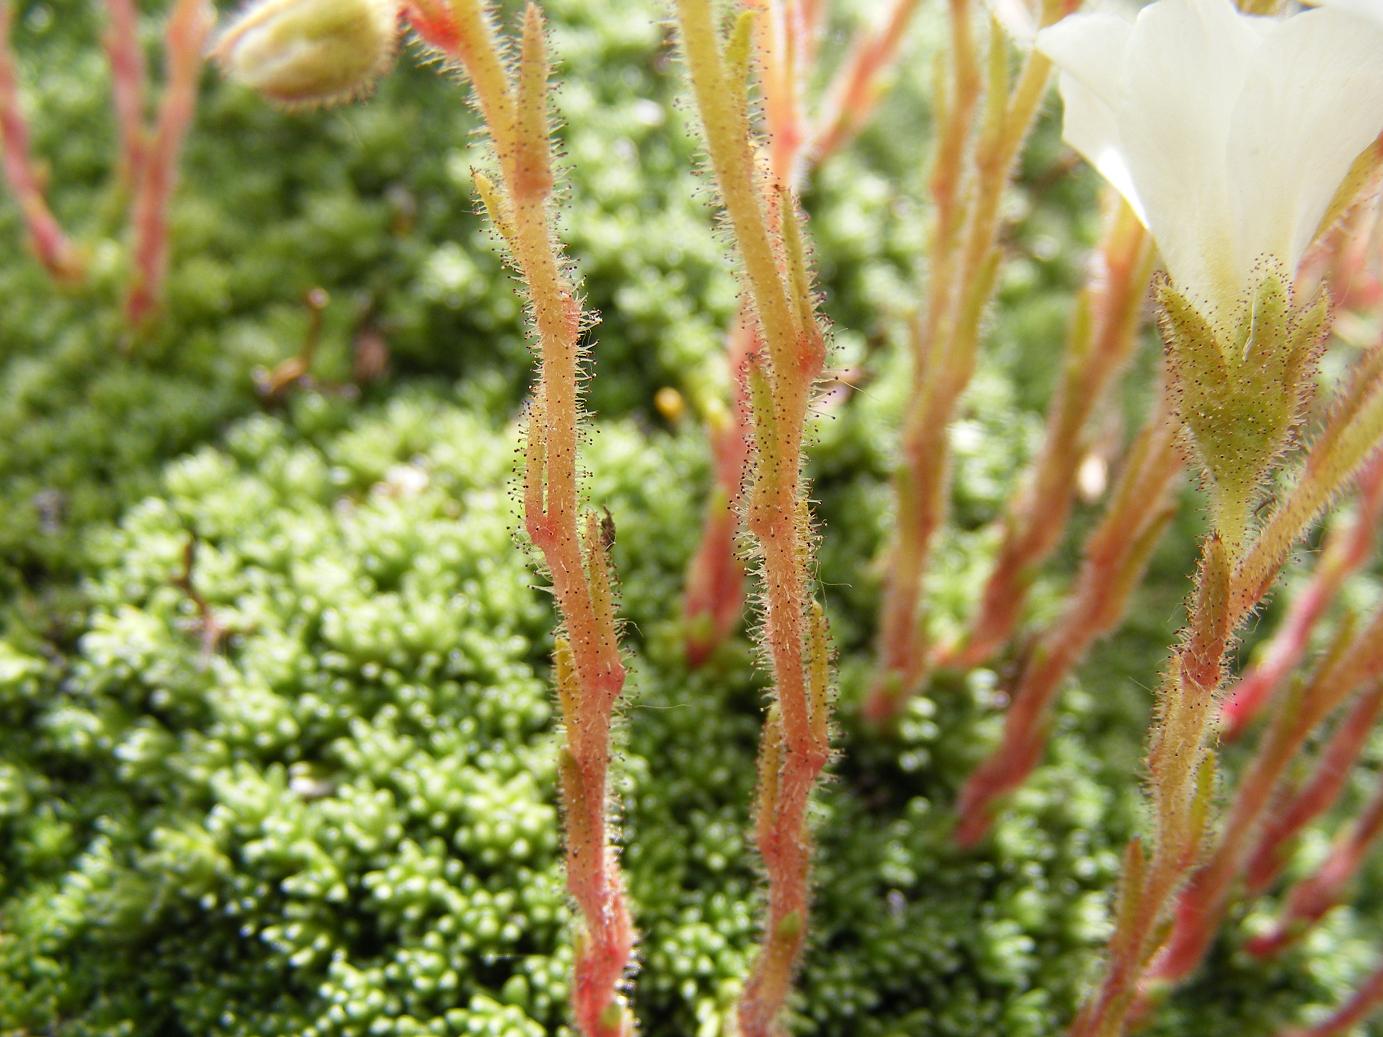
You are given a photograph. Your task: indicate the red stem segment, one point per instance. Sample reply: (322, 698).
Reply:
(46, 236)
(1310, 899)
(1345, 551)
(715, 577)
(189, 26)
(1101, 341)
(128, 76)
(589, 671)
(1362, 1004)
(1336, 761)
(851, 99)
(1115, 558)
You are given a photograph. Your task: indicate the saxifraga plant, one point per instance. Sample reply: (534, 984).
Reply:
(1242, 350)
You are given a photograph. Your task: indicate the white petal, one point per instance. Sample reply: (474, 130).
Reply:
(1371, 9)
(1091, 48)
(1312, 102)
(1089, 51)
(1187, 62)
(1089, 126)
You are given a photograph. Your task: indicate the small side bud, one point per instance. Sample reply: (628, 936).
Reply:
(1130, 888)
(789, 926)
(612, 1018)
(1211, 615)
(770, 763)
(738, 50)
(819, 672)
(1201, 805)
(568, 691)
(580, 837)
(495, 207)
(301, 53)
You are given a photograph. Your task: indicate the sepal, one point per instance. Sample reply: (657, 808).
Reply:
(1241, 386)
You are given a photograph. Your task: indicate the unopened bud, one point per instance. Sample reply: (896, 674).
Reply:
(310, 52)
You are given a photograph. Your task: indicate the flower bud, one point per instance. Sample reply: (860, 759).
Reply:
(310, 52)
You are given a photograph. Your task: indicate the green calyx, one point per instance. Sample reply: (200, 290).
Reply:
(1240, 387)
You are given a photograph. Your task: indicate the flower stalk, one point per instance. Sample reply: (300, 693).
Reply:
(1181, 764)
(795, 744)
(189, 27)
(1311, 898)
(1181, 782)
(785, 37)
(575, 547)
(1115, 558)
(1346, 550)
(976, 157)
(127, 80)
(46, 236)
(1100, 342)
(1202, 904)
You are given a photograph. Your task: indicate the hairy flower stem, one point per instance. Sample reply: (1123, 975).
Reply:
(784, 35)
(127, 80)
(589, 671)
(1180, 763)
(1352, 436)
(1115, 558)
(1203, 902)
(1100, 342)
(965, 258)
(1181, 780)
(714, 594)
(795, 744)
(1345, 551)
(189, 26)
(52, 247)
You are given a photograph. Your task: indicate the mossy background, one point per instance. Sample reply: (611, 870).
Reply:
(339, 818)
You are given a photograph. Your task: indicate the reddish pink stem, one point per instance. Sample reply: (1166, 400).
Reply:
(46, 236)
(188, 28)
(1036, 516)
(589, 670)
(1332, 771)
(715, 576)
(1114, 559)
(127, 75)
(1310, 899)
(1203, 902)
(1359, 1007)
(1345, 551)
(857, 86)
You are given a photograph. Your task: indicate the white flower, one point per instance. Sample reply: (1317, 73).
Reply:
(1228, 134)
